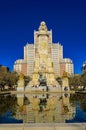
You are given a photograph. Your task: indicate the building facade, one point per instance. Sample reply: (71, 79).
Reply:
(20, 66)
(29, 58)
(66, 65)
(57, 56)
(43, 48)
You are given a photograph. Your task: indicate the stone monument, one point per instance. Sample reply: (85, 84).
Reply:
(43, 59)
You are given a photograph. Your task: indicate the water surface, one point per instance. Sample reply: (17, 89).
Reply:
(43, 108)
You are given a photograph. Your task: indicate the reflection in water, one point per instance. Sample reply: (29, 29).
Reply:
(44, 108)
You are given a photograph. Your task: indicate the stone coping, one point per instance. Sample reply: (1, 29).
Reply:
(30, 92)
(39, 92)
(44, 126)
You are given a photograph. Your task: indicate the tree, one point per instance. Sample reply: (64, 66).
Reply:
(83, 79)
(13, 78)
(7, 78)
(75, 81)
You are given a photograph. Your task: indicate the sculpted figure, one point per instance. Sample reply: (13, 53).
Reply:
(21, 77)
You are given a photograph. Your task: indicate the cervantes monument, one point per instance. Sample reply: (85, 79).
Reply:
(43, 73)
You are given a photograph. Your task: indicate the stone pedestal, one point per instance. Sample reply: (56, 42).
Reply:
(20, 83)
(65, 82)
(20, 89)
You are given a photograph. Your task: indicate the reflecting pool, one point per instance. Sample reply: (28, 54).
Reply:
(43, 108)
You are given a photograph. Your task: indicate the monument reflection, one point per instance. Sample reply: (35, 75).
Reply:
(44, 108)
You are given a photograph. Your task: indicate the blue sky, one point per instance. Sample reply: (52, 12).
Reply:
(19, 19)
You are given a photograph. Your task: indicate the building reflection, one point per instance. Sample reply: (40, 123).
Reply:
(44, 108)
